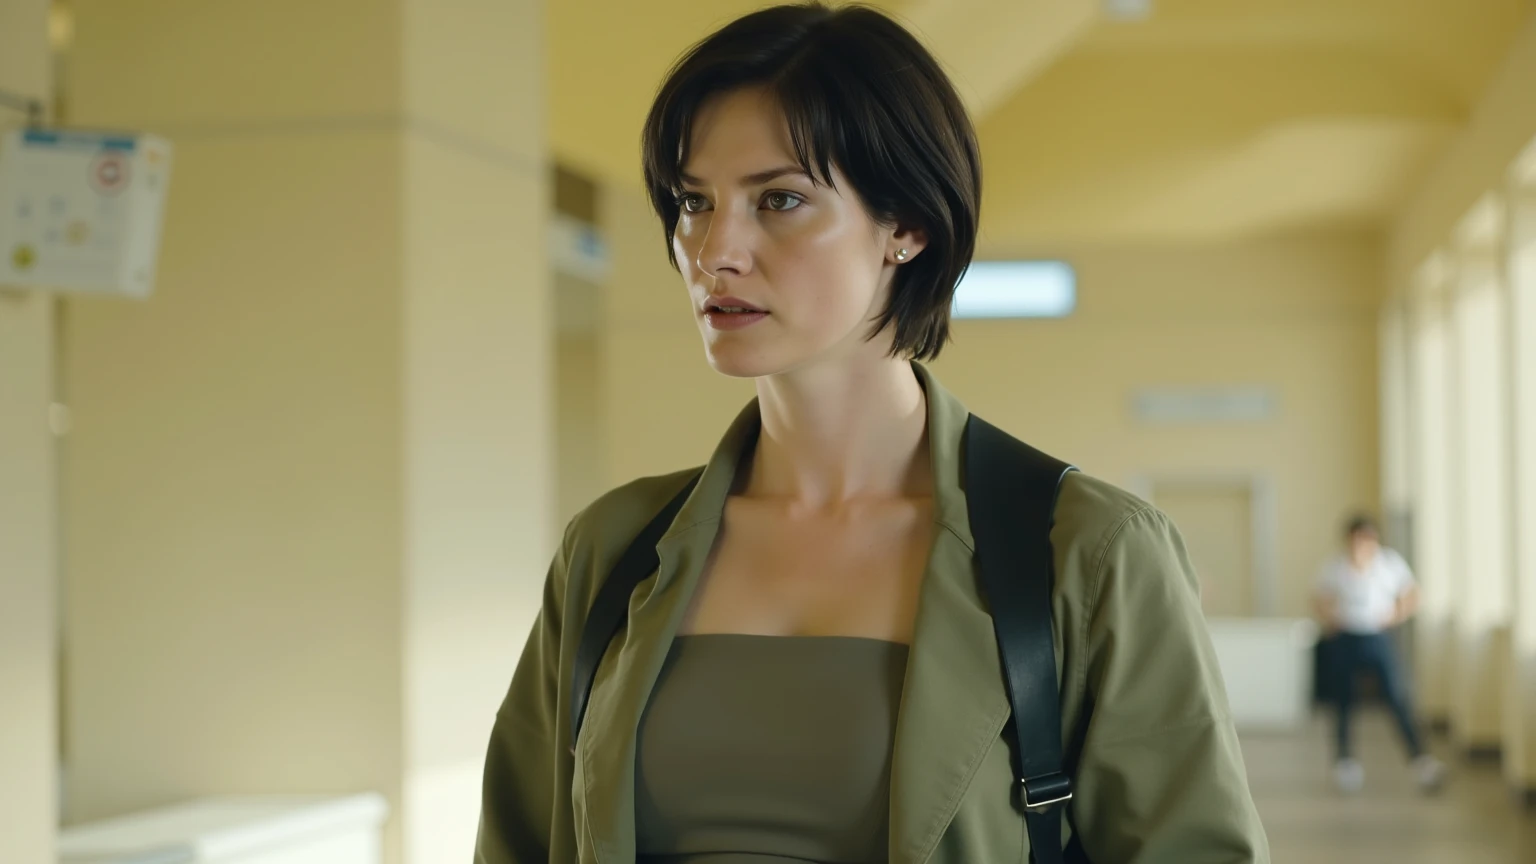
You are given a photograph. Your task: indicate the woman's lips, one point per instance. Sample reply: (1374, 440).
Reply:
(732, 313)
(727, 319)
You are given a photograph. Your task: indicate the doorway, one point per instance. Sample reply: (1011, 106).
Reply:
(1222, 522)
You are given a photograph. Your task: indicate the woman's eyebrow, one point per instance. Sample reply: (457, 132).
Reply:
(757, 179)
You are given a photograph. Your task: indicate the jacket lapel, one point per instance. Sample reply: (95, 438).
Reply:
(953, 702)
(623, 684)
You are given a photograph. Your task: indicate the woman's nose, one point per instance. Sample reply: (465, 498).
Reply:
(726, 250)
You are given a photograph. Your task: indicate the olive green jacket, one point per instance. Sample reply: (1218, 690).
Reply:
(1149, 741)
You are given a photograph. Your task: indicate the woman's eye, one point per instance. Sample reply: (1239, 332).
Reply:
(781, 201)
(690, 202)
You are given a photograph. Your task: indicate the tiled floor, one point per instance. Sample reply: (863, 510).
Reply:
(1473, 821)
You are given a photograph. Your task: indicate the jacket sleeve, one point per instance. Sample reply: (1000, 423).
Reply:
(1160, 778)
(525, 759)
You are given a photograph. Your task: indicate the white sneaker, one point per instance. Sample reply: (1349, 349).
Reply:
(1348, 775)
(1430, 773)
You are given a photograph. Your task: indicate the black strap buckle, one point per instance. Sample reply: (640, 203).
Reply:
(1046, 791)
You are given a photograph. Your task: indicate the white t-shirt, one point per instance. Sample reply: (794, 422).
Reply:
(1365, 600)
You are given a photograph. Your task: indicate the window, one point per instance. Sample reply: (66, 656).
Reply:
(1016, 289)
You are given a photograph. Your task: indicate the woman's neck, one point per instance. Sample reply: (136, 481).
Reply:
(840, 432)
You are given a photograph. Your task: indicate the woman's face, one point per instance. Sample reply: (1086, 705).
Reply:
(782, 272)
(1363, 546)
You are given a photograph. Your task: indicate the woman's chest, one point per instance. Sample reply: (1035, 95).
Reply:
(851, 572)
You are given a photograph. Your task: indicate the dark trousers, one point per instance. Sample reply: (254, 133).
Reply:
(1354, 652)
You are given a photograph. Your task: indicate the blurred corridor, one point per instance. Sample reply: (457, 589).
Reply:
(280, 526)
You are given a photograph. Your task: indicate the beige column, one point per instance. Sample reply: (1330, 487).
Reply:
(308, 489)
(1396, 420)
(1481, 468)
(580, 400)
(28, 635)
(1434, 531)
(478, 411)
(1521, 745)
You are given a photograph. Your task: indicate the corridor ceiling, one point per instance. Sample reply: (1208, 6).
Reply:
(1207, 119)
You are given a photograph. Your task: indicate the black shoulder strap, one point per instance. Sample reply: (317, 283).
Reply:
(1011, 491)
(611, 607)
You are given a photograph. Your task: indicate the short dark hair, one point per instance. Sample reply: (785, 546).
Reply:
(1361, 523)
(859, 92)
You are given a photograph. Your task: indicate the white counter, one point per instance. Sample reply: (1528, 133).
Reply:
(1267, 664)
(257, 830)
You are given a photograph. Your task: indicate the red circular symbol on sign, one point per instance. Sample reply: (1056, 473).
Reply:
(109, 173)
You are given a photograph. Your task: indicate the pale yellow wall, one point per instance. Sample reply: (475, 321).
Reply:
(308, 499)
(581, 441)
(28, 632)
(233, 493)
(581, 428)
(1296, 315)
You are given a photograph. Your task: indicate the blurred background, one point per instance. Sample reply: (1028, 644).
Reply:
(280, 526)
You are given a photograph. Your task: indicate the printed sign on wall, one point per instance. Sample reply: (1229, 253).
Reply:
(81, 211)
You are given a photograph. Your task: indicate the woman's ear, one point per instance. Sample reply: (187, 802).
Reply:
(905, 244)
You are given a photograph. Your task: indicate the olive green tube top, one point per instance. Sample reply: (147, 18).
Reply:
(762, 750)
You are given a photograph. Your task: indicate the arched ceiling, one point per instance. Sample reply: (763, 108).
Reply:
(1205, 119)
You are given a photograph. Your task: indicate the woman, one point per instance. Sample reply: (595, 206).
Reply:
(1362, 594)
(811, 673)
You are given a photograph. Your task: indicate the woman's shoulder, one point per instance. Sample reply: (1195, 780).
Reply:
(1108, 540)
(1092, 512)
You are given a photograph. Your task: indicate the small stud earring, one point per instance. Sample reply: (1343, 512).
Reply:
(901, 255)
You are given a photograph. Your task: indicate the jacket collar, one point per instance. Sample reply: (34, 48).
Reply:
(953, 703)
